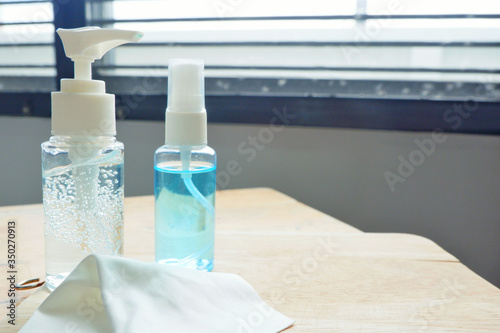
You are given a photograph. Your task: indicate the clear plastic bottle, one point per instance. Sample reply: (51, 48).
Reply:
(82, 163)
(184, 209)
(83, 201)
(185, 174)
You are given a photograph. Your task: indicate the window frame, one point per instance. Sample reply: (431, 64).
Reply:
(471, 115)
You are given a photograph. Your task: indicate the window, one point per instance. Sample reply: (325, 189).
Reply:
(26, 46)
(391, 64)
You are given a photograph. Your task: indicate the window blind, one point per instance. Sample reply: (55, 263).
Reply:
(27, 56)
(424, 49)
(377, 64)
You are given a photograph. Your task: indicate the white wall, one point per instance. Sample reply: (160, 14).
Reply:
(452, 197)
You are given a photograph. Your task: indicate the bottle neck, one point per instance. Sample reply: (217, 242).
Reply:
(184, 148)
(87, 140)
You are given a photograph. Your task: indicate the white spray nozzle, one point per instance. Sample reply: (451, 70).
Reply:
(84, 45)
(186, 92)
(186, 117)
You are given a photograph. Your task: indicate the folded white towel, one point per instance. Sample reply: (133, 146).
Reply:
(113, 294)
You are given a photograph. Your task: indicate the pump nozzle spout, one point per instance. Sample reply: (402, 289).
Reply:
(84, 45)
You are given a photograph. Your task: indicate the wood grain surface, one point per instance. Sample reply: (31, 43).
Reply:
(327, 275)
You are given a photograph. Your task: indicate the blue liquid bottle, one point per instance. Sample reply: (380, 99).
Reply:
(185, 174)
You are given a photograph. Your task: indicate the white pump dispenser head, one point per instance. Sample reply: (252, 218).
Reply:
(82, 107)
(186, 117)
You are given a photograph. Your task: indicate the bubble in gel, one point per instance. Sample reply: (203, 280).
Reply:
(99, 230)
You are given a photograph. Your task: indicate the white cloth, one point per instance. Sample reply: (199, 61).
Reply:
(113, 294)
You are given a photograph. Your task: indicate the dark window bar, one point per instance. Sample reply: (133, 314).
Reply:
(24, 45)
(14, 2)
(362, 17)
(320, 44)
(25, 22)
(318, 68)
(470, 116)
(420, 90)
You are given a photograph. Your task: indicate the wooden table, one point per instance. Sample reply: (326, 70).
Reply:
(327, 275)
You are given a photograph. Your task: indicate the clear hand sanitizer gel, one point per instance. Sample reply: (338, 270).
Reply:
(82, 163)
(185, 174)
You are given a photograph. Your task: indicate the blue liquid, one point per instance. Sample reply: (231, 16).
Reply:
(185, 223)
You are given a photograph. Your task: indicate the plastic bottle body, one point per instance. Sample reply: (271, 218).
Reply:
(184, 207)
(83, 201)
